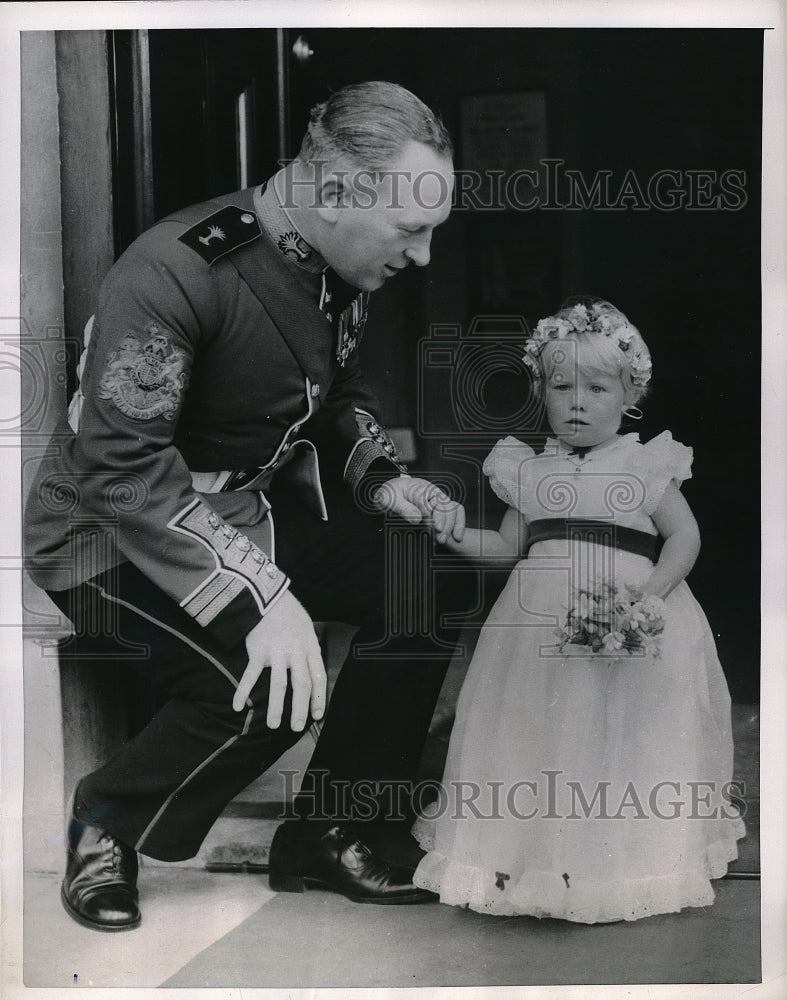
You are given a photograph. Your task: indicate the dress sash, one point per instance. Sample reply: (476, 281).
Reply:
(607, 533)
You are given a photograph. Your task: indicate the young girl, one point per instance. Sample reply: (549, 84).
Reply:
(589, 765)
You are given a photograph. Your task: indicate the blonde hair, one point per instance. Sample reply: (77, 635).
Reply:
(599, 352)
(370, 122)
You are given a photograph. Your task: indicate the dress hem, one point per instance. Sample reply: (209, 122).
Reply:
(578, 899)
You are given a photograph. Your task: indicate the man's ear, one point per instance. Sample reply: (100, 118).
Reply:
(330, 198)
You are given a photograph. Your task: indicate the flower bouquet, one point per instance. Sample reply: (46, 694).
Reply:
(605, 620)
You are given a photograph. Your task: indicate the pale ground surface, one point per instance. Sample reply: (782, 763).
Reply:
(209, 929)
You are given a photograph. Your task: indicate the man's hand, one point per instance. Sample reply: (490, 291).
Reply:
(418, 500)
(285, 642)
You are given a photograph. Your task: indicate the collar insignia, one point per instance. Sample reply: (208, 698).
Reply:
(283, 231)
(294, 246)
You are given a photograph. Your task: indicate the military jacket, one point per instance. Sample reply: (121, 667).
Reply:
(210, 368)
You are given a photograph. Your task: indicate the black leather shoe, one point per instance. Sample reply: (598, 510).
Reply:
(100, 886)
(303, 855)
(392, 843)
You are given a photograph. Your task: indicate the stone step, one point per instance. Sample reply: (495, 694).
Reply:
(235, 843)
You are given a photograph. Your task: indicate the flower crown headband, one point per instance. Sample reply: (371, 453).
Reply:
(597, 318)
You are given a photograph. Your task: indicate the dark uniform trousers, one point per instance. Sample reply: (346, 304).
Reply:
(166, 786)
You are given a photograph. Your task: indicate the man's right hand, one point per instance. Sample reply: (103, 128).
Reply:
(285, 642)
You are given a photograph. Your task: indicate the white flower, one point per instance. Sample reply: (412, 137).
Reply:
(580, 310)
(585, 606)
(544, 327)
(641, 367)
(638, 615)
(604, 619)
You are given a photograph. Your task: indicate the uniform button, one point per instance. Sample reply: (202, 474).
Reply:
(228, 532)
(214, 521)
(315, 390)
(374, 428)
(247, 217)
(243, 543)
(271, 570)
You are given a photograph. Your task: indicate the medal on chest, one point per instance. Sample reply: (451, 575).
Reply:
(350, 325)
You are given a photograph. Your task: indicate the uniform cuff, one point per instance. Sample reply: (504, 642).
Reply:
(238, 617)
(244, 584)
(364, 454)
(383, 469)
(234, 622)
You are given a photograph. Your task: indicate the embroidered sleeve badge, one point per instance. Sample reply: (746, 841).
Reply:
(145, 380)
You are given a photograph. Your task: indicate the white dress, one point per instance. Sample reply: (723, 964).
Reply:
(588, 787)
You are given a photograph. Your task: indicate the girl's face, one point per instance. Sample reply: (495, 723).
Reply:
(584, 405)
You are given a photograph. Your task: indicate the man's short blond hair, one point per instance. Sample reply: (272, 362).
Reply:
(369, 123)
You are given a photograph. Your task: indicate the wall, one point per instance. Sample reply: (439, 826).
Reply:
(86, 171)
(66, 248)
(41, 342)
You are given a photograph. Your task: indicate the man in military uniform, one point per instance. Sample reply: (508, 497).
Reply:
(220, 488)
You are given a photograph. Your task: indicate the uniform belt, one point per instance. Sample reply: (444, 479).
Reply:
(232, 480)
(254, 478)
(641, 543)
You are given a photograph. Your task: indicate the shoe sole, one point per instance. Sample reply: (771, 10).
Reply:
(92, 924)
(290, 884)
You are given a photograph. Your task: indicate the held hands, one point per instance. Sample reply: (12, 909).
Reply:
(285, 642)
(419, 501)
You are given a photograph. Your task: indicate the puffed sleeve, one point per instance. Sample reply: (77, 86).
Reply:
(505, 466)
(660, 462)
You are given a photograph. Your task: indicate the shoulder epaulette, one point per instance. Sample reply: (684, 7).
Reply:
(222, 232)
